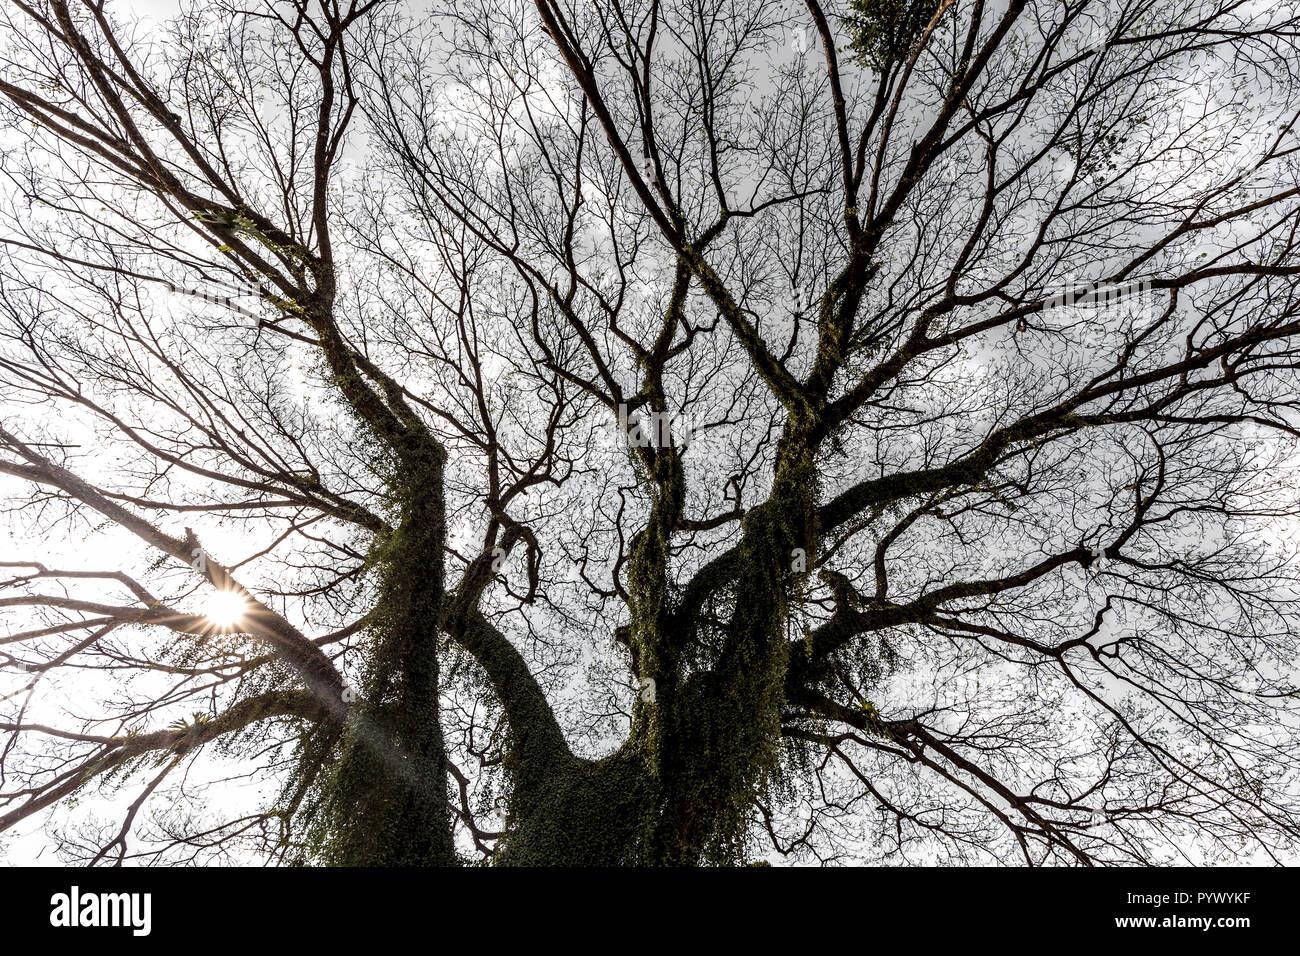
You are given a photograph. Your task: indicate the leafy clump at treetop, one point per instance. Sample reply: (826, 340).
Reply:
(885, 32)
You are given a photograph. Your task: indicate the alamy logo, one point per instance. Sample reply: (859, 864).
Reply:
(102, 909)
(655, 429)
(238, 297)
(1093, 31)
(1099, 295)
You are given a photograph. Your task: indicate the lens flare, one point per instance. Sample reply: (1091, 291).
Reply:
(225, 608)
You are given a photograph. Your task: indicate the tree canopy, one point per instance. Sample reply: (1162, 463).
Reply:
(650, 431)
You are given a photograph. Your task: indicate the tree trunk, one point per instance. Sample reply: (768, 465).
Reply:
(385, 803)
(704, 744)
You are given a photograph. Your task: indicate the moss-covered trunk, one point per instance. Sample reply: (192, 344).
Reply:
(717, 743)
(385, 801)
(705, 736)
(706, 726)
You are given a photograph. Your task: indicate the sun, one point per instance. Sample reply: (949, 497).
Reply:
(225, 608)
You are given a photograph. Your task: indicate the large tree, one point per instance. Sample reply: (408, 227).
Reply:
(651, 431)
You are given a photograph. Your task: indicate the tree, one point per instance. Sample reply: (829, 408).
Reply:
(693, 432)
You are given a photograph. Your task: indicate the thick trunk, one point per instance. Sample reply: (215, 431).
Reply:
(589, 813)
(719, 730)
(705, 739)
(703, 746)
(677, 794)
(385, 802)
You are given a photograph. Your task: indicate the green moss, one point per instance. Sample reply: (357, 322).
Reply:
(591, 813)
(377, 792)
(884, 31)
